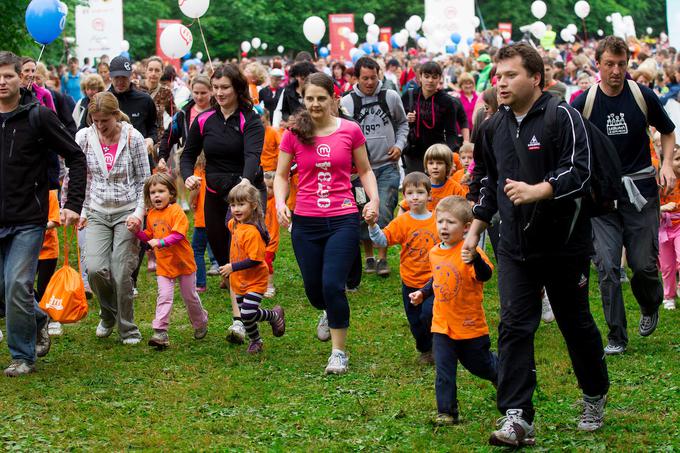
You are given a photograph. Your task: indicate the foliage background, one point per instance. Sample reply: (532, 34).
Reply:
(227, 23)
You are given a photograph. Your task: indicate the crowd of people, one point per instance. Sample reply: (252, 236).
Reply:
(500, 144)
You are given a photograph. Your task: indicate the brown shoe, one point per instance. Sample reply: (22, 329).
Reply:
(426, 358)
(224, 282)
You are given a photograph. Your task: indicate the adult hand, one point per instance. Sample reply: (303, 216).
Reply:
(470, 243)
(522, 193)
(283, 214)
(69, 217)
(370, 216)
(192, 182)
(468, 255)
(416, 297)
(394, 153)
(371, 209)
(411, 117)
(82, 223)
(667, 178)
(133, 222)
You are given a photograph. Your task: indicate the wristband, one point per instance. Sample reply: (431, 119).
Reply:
(162, 241)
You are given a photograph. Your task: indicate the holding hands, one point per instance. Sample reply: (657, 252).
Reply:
(225, 270)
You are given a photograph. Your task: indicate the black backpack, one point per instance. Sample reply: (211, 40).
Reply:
(359, 107)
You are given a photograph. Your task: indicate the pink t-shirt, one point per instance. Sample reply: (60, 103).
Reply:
(109, 152)
(324, 188)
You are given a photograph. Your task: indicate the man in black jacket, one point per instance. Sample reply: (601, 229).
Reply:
(291, 98)
(24, 207)
(535, 179)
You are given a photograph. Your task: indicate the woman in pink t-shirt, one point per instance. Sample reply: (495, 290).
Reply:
(325, 231)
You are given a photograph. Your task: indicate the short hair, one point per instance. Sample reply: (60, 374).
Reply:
(157, 59)
(393, 62)
(303, 56)
(201, 80)
(547, 61)
(368, 63)
(93, 81)
(439, 151)
(257, 72)
(531, 60)
(613, 45)
(467, 147)
(72, 60)
(465, 77)
(9, 59)
(457, 206)
(302, 69)
(416, 179)
(163, 179)
(430, 68)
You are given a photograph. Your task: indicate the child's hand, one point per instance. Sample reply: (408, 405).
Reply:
(669, 207)
(225, 270)
(133, 227)
(153, 243)
(468, 256)
(51, 225)
(416, 297)
(370, 216)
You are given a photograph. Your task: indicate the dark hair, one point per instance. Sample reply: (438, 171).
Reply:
(366, 62)
(163, 179)
(531, 60)
(393, 63)
(430, 68)
(247, 193)
(169, 74)
(25, 60)
(72, 60)
(301, 123)
(303, 56)
(302, 69)
(102, 63)
(613, 45)
(490, 97)
(547, 61)
(416, 179)
(337, 64)
(9, 59)
(238, 82)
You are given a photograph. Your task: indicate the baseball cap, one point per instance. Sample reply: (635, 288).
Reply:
(120, 67)
(276, 72)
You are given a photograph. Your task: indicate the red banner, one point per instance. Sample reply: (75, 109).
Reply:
(506, 30)
(160, 26)
(386, 35)
(340, 45)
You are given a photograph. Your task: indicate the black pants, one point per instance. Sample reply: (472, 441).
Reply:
(355, 273)
(413, 163)
(419, 318)
(519, 287)
(46, 270)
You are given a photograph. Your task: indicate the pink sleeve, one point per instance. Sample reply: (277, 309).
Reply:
(44, 96)
(287, 142)
(142, 236)
(358, 138)
(173, 238)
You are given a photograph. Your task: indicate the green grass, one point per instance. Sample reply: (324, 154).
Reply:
(92, 394)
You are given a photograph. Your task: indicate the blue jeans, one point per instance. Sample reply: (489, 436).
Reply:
(199, 242)
(325, 248)
(19, 250)
(387, 178)
(419, 318)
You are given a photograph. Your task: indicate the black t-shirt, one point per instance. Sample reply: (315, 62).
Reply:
(624, 123)
(5, 116)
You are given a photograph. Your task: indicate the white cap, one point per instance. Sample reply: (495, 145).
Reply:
(276, 72)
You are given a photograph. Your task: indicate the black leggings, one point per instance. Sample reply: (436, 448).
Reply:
(46, 269)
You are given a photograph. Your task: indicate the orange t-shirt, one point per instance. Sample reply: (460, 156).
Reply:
(50, 248)
(270, 149)
(178, 259)
(199, 215)
(674, 197)
(457, 310)
(416, 238)
(450, 187)
(254, 93)
(247, 242)
(272, 223)
(457, 164)
(458, 177)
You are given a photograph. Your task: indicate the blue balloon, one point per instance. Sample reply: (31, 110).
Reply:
(367, 48)
(455, 37)
(358, 55)
(376, 48)
(393, 41)
(323, 52)
(470, 40)
(45, 20)
(125, 54)
(451, 48)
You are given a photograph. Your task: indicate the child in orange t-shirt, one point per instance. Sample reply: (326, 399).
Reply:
(438, 162)
(460, 331)
(416, 232)
(462, 176)
(247, 270)
(49, 254)
(270, 148)
(272, 223)
(669, 238)
(166, 232)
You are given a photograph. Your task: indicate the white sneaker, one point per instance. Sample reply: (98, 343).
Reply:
(135, 292)
(55, 329)
(337, 363)
(323, 332)
(669, 304)
(546, 310)
(131, 341)
(103, 332)
(271, 292)
(236, 333)
(1, 336)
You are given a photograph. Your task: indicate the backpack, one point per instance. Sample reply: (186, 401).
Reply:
(359, 106)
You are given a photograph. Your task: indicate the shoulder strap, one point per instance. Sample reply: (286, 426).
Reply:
(637, 94)
(35, 122)
(590, 101)
(410, 99)
(382, 100)
(356, 101)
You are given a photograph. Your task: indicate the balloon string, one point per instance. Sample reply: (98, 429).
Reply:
(205, 44)
(41, 53)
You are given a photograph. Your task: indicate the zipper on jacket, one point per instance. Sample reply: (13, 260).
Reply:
(2, 168)
(35, 195)
(11, 144)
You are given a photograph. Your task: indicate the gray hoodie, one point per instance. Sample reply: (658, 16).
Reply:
(376, 126)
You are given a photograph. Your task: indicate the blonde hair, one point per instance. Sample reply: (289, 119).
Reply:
(163, 179)
(465, 77)
(257, 72)
(41, 70)
(466, 148)
(439, 151)
(457, 206)
(201, 80)
(106, 103)
(93, 81)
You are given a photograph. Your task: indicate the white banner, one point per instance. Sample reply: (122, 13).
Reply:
(673, 20)
(443, 18)
(99, 29)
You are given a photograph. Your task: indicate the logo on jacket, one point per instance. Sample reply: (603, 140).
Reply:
(534, 145)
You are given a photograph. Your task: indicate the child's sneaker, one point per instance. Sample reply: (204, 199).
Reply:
(278, 324)
(624, 276)
(255, 347)
(132, 341)
(201, 289)
(55, 329)
(323, 332)
(159, 339)
(214, 270)
(513, 430)
(201, 332)
(446, 419)
(370, 265)
(547, 314)
(337, 363)
(271, 292)
(669, 304)
(236, 333)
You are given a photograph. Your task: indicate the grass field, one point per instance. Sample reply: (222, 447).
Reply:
(98, 395)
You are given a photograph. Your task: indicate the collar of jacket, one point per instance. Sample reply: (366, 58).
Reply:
(539, 106)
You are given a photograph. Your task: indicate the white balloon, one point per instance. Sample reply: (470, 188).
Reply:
(411, 26)
(538, 29)
(649, 30)
(314, 28)
(417, 21)
(475, 21)
(413, 34)
(280, 49)
(353, 51)
(176, 40)
(600, 32)
(124, 45)
(565, 34)
(422, 43)
(256, 42)
(608, 18)
(383, 47)
(374, 29)
(369, 18)
(199, 55)
(572, 39)
(264, 46)
(427, 27)
(538, 9)
(194, 8)
(344, 32)
(582, 9)
(245, 46)
(401, 40)
(329, 46)
(572, 29)
(353, 38)
(371, 38)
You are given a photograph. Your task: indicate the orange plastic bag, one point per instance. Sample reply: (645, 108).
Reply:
(64, 299)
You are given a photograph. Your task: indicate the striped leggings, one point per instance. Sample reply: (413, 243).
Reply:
(251, 314)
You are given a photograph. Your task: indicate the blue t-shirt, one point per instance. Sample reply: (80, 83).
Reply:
(70, 84)
(624, 123)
